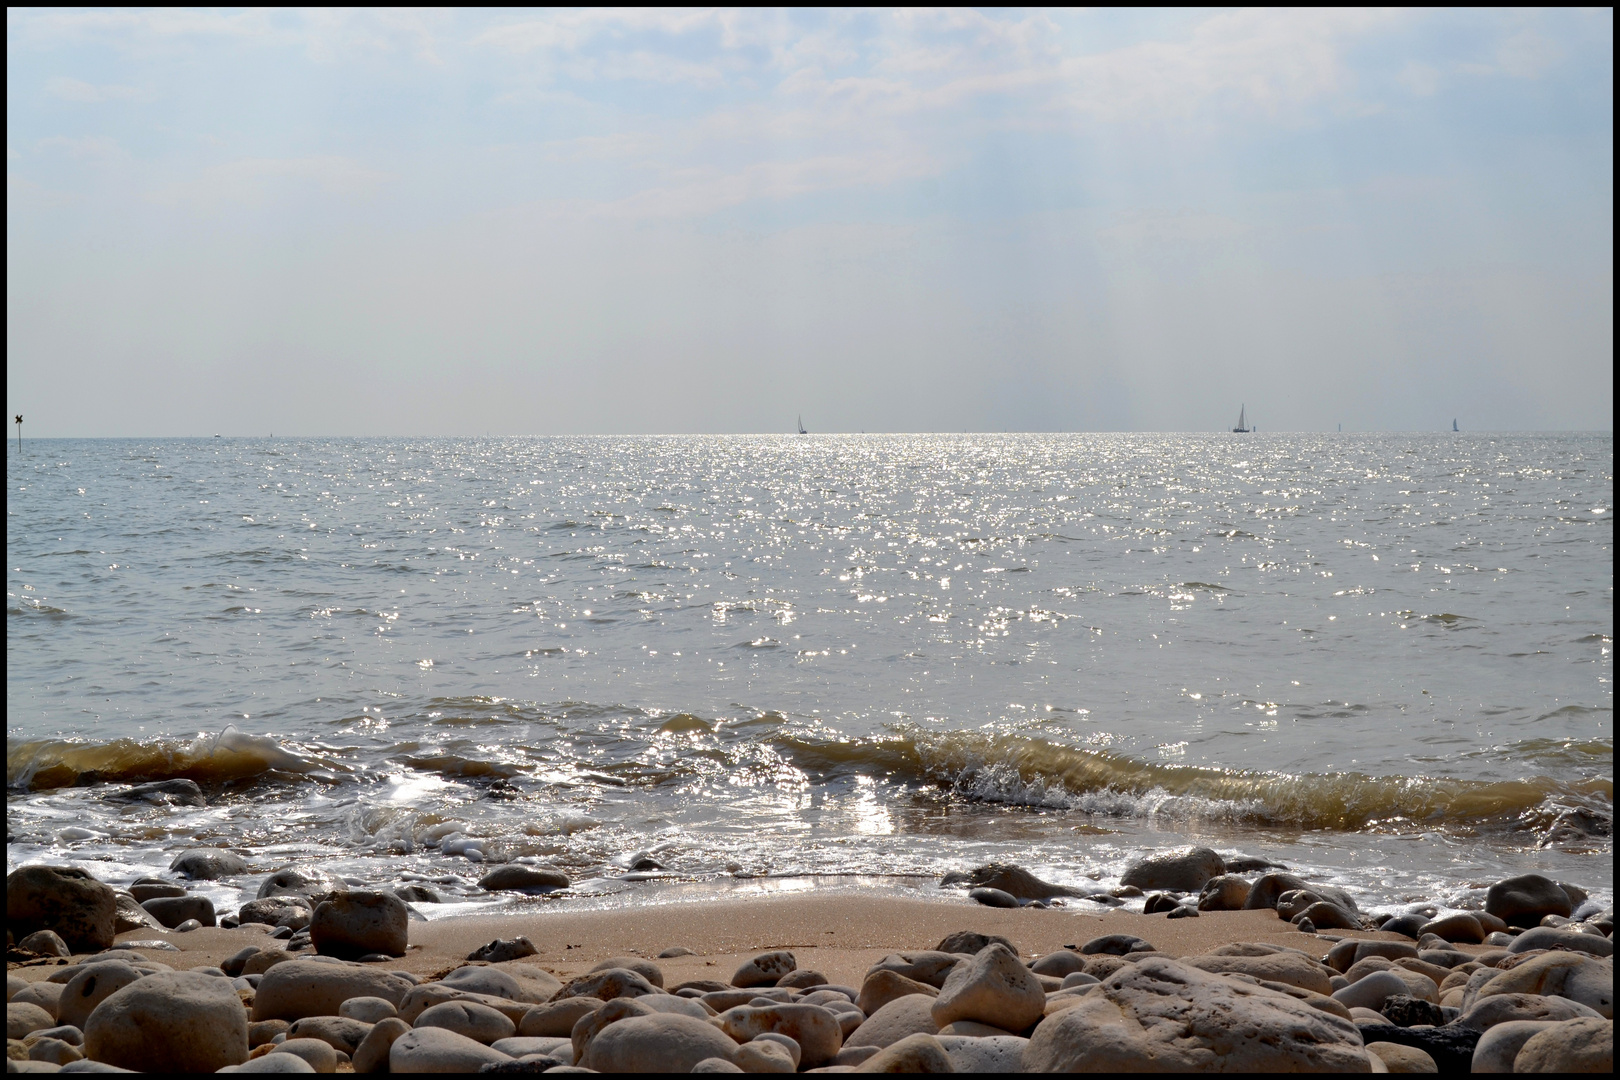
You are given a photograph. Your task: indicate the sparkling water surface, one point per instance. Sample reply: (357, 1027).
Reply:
(1386, 659)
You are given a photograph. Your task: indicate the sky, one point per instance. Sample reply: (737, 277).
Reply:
(571, 222)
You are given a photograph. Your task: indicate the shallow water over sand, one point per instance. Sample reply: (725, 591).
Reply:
(1387, 658)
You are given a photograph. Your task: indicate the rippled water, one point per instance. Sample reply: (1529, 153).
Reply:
(1384, 657)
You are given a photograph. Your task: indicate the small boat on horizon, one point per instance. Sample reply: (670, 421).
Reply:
(801, 425)
(1242, 425)
(1454, 426)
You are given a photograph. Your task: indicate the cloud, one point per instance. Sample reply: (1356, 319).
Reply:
(87, 93)
(257, 180)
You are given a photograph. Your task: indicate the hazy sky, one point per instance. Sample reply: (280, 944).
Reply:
(713, 221)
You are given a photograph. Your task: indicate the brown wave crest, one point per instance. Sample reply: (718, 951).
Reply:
(229, 757)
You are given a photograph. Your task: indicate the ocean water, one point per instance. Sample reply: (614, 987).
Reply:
(1384, 660)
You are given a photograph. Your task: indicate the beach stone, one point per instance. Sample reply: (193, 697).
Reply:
(1526, 899)
(290, 911)
(55, 1051)
(1291, 905)
(882, 987)
(1015, 881)
(24, 1017)
(171, 911)
(208, 864)
(64, 899)
(1059, 964)
(1370, 992)
(516, 877)
(606, 985)
(491, 982)
(765, 969)
(995, 898)
(1576, 976)
(421, 894)
(924, 966)
(1228, 892)
(970, 942)
(300, 988)
(815, 1028)
(367, 1010)
(558, 1018)
(1159, 903)
(292, 881)
(66, 1032)
(89, 986)
(339, 1032)
(424, 997)
(1459, 927)
(903, 1016)
(171, 1021)
(675, 951)
(1326, 915)
(262, 960)
(45, 943)
(1162, 1015)
(437, 1049)
(358, 922)
(1488, 1012)
(919, 1053)
(47, 995)
(1550, 937)
(658, 1043)
(498, 950)
(1408, 925)
(763, 1057)
(592, 1025)
(14, 985)
(1284, 967)
(1347, 953)
(645, 968)
(1187, 910)
(372, 1053)
(519, 1046)
(319, 1054)
(1500, 1044)
(233, 964)
(992, 1054)
(1268, 887)
(1184, 869)
(479, 1022)
(263, 1031)
(272, 1063)
(538, 985)
(1115, 945)
(992, 988)
(1575, 1046)
(802, 979)
(1404, 1011)
(716, 1065)
(1402, 1059)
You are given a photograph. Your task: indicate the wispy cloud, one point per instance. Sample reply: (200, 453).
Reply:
(87, 93)
(258, 180)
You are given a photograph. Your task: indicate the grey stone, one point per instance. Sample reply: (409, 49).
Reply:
(606, 985)
(1525, 899)
(367, 1010)
(300, 988)
(658, 1043)
(762, 970)
(1058, 964)
(557, 1019)
(1487, 1012)
(317, 1053)
(171, 1021)
(992, 988)
(901, 1017)
(1575, 1046)
(1548, 937)
(970, 942)
(990, 1054)
(1012, 880)
(516, 877)
(498, 950)
(1576, 976)
(815, 1028)
(63, 899)
(292, 881)
(436, 1049)
(372, 1053)
(89, 986)
(45, 943)
(1500, 1044)
(208, 864)
(358, 922)
(293, 911)
(919, 1053)
(995, 898)
(1228, 892)
(926, 966)
(271, 1063)
(171, 911)
(1182, 869)
(477, 1022)
(24, 1018)
(645, 968)
(338, 1032)
(421, 894)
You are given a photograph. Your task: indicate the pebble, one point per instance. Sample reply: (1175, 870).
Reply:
(996, 898)
(919, 1053)
(884, 986)
(558, 1018)
(657, 1043)
(45, 943)
(1181, 869)
(367, 1010)
(674, 951)
(1498, 1046)
(1488, 1012)
(1228, 892)
(353, 923)
(515, 877)
(318, 1054)
(1576, 1046)
(208, 864)
(292, 881)
(645, 968)
(607, 985)
(89, 986)
(271, 1063)
(436, 1049)
(66, 900)
(1576, 976)
(1012, 880)
(300, 988)
(929, 966)
(762, 970)
(1526, 899)
(170, 1021)
(47, 995)
(1292, 968)
(1058, 964)
(340, 1033)
(24, 1017)
(373, 1052)
(1458, 927)
(901, 1017)
(992, 988)
(292, 912)
(1402, 1059)
(1370, 992)
(498, 950)
(763, 1057)
(1549, 937)
(815, 1028)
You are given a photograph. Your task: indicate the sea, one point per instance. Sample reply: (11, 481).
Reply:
(676, 666)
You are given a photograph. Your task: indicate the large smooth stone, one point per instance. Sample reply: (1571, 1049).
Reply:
(995, 898)
(1487, 1012)
(1402, 1059)
(1497, 1047)
(1526, 899)
(89, 986)
(372, 1053)
(143, 891)
(992, 988)
(298, 988)
(131, 916)
(1284, 967)
(1553, 937)
(1577, 976)
(290, 911)
(319, 1053)
(1267, 888)
(427, 995)
(762, 970)
(1458, 927)
(361, 922)
(557, 1019)
(47, 995)
(272, 1063)
(497, 951)
(1160, 1015)
(492, 982)
(992, 1054)
(477, 1022)
(1575, 1046)
(439, 1050)
(1059, 964)
(882, 987)
(1326, 915)
(171, 911)
(173, 1021)
(1184, 869)
(607, 985)
(901, 1017)
(657, 1043)
(208, 864)
(925, 966)
(367, 1010)
(516, 877)
(645, 968)
(1371, 991)
(292, 881)
(67, 900)
(1346, 954)
(970, 942)
(23, 1018)
(913, 1054)
(813, 1027)
(1015, 881)
(340, 1033)
(1228, 892)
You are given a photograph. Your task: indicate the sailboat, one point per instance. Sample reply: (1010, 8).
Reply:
(801, 426)
(1454, 426)
(1242, 426)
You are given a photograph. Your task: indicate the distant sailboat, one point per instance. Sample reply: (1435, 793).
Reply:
(1454, 426)
(1242, 425)
(801, 425)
